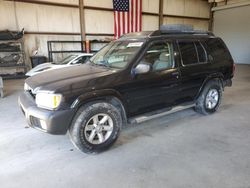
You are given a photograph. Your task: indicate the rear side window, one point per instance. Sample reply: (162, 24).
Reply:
(188, 53)
(217, 49)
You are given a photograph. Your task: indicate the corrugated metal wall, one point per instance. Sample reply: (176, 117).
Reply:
(192, 8)
(46, 18)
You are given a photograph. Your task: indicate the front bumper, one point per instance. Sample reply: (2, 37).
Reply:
(53, 122)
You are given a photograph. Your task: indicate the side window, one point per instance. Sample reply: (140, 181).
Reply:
(84, 59)
(81, 60)
(217, 48)
(159, 55)
(201, 52)
(188, 53)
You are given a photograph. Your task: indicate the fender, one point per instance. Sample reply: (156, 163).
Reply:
(217, 75)
(96, 95)
(109, 95)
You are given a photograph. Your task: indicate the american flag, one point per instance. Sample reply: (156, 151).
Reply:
(127, 16)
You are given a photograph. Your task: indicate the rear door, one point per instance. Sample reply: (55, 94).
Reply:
(194, 68)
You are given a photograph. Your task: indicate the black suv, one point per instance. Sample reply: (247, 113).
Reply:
(138, 77)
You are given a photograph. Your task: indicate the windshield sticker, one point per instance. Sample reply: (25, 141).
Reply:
(135, 44)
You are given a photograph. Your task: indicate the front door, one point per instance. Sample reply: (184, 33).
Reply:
(158, 88)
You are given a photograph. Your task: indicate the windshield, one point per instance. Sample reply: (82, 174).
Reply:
(65, 60)
(116, 54)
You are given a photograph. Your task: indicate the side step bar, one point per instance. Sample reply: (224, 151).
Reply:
(156, 114)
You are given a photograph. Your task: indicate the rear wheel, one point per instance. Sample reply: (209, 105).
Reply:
(95, 127)
(210, 98)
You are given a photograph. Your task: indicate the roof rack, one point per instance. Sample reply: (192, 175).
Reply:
(179, 29)
(170, 29)
(176, 27)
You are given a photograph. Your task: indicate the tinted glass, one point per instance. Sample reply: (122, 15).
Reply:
(81, 60)
(66, 60)
(84, 59)
(159, 55)
(201, 53)
(116, 54)
(217, 49)
(188, 53)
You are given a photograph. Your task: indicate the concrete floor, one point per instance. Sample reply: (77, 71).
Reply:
(184, 149)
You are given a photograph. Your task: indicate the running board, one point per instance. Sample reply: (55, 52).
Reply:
(159, 113)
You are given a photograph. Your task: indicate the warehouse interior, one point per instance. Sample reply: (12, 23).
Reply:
(183, 149)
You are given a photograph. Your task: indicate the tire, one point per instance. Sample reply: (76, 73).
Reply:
(210, 98)
(88, 125)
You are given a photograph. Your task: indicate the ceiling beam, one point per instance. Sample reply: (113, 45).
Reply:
(161, 17)
(82, 20)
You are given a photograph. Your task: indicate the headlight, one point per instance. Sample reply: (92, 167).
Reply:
(48, 101)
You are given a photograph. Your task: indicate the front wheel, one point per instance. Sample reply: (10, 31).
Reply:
(210, 98)
(95, 127)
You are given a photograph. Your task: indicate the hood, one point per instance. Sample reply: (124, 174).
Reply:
(64, 77)
(42, 67)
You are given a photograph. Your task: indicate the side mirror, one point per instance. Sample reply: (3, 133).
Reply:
(142, 68)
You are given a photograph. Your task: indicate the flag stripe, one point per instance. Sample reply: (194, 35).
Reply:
(134, 13)
(128, 22)
(115, 24)
(119, 24)
(140, 22)
(132, 16)
(123, 23)
(136, 16)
